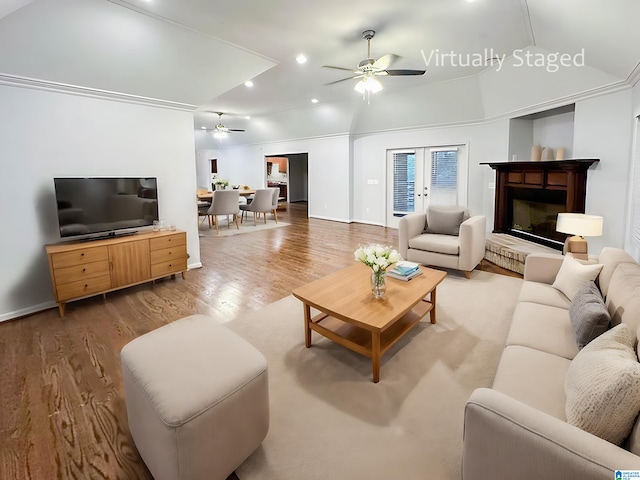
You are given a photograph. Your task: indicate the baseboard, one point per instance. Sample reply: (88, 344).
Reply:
(341, 220)
(27, 311)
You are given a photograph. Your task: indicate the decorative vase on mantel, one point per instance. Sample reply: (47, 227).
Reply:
(378, 283)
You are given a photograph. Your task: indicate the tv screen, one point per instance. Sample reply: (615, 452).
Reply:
(91, 207)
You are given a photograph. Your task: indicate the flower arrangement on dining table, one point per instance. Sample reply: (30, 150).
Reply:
(221, 182)
(378, 258)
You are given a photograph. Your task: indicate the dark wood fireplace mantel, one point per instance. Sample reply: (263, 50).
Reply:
(539, 179)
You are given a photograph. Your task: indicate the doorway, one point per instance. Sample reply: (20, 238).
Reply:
(418, 177)
(290, 173)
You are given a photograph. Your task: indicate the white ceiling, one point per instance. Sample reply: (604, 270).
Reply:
(200, 52)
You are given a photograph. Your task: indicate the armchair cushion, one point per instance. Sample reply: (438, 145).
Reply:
(446, 244)
(444, 220)
(588, 314)
(603, 386)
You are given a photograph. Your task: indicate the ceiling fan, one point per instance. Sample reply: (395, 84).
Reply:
(370, 68)
(220, 131)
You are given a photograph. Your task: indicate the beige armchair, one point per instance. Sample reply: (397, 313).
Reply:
(443, 236)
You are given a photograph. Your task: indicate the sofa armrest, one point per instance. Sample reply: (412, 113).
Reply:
(410, 226)
(505, 438)
(542, 267)
(473, 232)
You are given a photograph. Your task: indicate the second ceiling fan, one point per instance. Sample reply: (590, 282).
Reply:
(220, 130)
(370, 68)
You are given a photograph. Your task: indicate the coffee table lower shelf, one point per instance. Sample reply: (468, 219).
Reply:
(370, 343)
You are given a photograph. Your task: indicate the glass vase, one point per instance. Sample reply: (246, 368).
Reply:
(378, 283)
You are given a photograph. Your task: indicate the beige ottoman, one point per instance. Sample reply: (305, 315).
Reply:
(197, 399)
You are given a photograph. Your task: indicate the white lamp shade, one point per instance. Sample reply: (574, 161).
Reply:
(368, 84)
(579, 224)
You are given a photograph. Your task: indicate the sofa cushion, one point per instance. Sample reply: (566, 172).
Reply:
(573, 274)
(444, 220)
(603, 386)
(543, 328)
(447, 244)
(543, 293)
(533, 377)
(588, 314)
(610, 258)
(623, 300)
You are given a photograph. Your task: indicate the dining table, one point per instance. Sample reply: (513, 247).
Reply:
(209, 195)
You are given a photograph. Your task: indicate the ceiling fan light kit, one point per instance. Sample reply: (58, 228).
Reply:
(368, 84)
(220, 131)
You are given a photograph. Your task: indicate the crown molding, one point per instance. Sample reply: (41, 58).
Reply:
(46, 85)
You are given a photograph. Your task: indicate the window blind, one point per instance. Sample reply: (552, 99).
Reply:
(404, 168)
(444, 177)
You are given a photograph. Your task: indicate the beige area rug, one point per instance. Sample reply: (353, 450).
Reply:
(329, 421)
(245, 227)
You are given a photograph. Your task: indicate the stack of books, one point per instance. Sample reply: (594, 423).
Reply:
(405, 270)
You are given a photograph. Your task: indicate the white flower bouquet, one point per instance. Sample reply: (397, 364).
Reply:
(378, 257)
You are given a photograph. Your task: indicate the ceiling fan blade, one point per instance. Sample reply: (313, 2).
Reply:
(234, 130)
(338, 68)
(385, 61)
(343, 79)
(405, 72)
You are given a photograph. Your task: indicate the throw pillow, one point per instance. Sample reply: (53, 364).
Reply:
(588, 314)
(603, 386)
(444, 221)
(573, 275)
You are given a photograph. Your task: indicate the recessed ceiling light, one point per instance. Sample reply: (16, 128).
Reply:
(301, 59)
(314, 100)
(248, 117)
(248, 83)
(203, 128)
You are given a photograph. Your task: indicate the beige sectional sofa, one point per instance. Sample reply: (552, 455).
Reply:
(518, 428)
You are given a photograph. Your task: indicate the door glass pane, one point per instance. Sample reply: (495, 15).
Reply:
(444, 177)
(404, 185)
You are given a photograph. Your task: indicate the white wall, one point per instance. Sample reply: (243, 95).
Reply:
(603, 129)
(46, 134)
(488, 142)
(555, 131)
(329, 163)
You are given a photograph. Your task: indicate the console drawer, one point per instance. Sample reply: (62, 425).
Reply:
(169, 267)
(166, 241)
(79, 256)
(81, 272)
(82, 288)
(167, 254)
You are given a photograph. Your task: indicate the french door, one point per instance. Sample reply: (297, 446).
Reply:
(419, 177)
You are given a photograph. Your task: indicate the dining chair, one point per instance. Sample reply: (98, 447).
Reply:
(203, 211)
(274, 202)
(262, 203)
(225, 202)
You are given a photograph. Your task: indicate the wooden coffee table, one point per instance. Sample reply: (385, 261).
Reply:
(351, 317)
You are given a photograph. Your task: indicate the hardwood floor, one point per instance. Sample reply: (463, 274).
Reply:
(62, 410)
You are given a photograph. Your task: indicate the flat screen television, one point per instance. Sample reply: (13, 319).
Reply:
(103, 207)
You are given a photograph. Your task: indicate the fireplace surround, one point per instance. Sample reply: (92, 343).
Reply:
(529, 195)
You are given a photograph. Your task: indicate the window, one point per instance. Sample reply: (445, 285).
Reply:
(444, 176)
(404, 184)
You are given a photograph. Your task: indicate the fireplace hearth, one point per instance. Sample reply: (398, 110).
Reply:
(529, 196)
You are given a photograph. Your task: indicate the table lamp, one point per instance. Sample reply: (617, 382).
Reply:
(579, 225)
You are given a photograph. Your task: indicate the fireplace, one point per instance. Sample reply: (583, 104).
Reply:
(529, 196)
